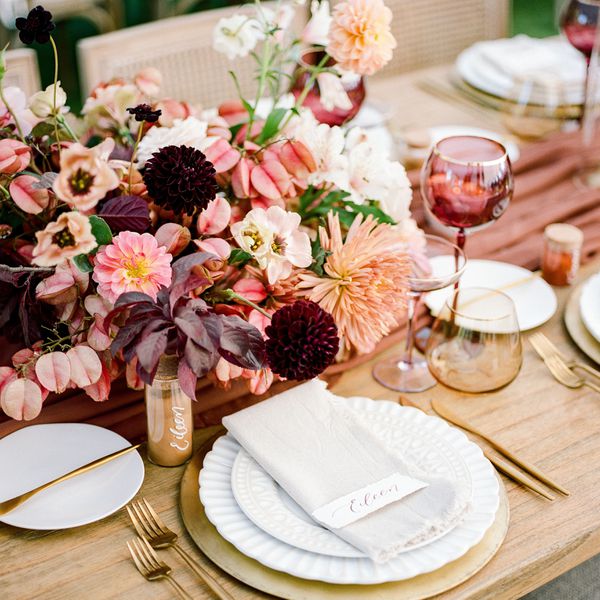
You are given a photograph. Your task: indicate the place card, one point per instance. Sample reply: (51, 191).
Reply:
(360, 503)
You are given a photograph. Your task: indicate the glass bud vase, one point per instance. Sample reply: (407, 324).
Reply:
(169, 417)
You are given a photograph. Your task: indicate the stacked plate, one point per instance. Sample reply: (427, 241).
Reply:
(549, 71)
(252, 512)
(582, 317)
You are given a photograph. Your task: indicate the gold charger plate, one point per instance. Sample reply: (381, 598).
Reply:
(256, 575)
(583, 339)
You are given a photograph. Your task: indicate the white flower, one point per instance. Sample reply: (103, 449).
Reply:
(274, 239)
(372, 176)
(184, 132)
(326, 144)
(41, 104)
(316, 32)
(18, 104)
(279, 19)
(108, 104)
(332, 92)
(237, 36)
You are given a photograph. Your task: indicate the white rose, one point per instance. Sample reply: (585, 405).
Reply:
(41, 104)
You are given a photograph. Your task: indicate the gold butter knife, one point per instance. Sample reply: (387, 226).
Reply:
(500, 464)
(447, 414)
(12, 503)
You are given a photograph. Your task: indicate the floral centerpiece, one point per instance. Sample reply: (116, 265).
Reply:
(249, 240)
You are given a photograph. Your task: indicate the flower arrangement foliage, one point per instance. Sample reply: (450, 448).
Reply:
(250, 240)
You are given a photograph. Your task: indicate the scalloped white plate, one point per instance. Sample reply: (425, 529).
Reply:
(391, 422)
(589, 305)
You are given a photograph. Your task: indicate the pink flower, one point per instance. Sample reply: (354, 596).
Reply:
(14, 156)
(68, 236)
(148, 81)
(27, 197)
(360, 39)
(174, 237)
(171, 110)
(215, 217)
(217, 246)
(134, 262)
(273, 238)
(251, 289)
(85, 177)
(365, 281)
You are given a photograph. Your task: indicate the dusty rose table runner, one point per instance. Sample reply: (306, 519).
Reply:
(544, 193)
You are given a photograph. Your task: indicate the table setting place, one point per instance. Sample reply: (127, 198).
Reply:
(248, 353)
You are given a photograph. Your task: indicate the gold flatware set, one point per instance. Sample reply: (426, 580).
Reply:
(153, 535)
(502, 465)
(562, 369)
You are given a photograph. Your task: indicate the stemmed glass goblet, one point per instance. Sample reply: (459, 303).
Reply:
(579, 21)
(466, 183)
(409, 373)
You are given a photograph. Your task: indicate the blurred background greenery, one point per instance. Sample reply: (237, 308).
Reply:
(533, 17)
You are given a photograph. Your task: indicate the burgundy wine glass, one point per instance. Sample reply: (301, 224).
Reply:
(338, 116)
(466, 183)
(579, 21)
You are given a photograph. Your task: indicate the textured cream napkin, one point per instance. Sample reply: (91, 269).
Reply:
(312, 444)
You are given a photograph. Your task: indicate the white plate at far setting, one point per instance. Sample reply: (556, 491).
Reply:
(429, 441)
(589, 305)
(534, 299)
(37, 454)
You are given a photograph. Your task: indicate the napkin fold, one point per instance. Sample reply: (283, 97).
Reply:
(317, 450)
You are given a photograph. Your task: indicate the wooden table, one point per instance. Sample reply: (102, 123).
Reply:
(555, 427)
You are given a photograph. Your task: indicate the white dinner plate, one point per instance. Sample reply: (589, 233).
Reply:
(589, 305)
(424, 440)
(39, 453)
(534, 299)
(478, 72)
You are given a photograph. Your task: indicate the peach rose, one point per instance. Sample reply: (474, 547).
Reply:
(68, 236)
(85, 176)
(360, 39)
(14, 156)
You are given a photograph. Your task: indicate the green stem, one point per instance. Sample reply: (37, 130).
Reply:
(54, 109)
(135, 147)
(264, 67)
(315, 71)
(4, 191)
(63, 123)
(235, 296)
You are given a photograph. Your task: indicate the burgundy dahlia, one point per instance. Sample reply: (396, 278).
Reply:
(181, 179)
(302, 340)
(36, 27)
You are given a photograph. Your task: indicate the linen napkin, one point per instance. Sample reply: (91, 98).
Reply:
(317, 450)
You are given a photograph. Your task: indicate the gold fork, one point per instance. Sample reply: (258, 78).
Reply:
(149, 565)
(152, 528)
(546, 348)
(564, 375)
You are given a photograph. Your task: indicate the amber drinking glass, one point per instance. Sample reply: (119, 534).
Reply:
(475, 343)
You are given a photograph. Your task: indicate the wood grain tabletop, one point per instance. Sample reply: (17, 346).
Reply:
(556, 428)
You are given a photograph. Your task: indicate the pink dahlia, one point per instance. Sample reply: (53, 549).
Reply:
(134, 262)
(360, 39)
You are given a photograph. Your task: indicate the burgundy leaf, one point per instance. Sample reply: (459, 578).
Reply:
(187, 379)
(151, 348)
(242, 344)
(200, 360)
(126, 213)
(184, 278)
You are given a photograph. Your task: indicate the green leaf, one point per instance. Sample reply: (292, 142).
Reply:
(370, 208)
(239, 257)
(83, 263)
(3, 63)
(319, 256)
(244, 102)
(235, 128)
(272, 123)
(42, 129)
(101, 230)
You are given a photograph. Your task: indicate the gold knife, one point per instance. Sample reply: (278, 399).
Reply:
(500, 464)
(447, 414)
(12, 503)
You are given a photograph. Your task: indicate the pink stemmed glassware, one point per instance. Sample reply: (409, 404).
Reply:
(409, 372)
(466, 183)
